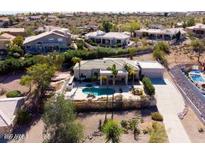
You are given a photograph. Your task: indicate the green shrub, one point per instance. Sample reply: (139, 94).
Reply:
(148, 87)
(23, 117)
(163, 46)
(157, 133)
(158, 54)
(14, 93)
(124, 124)
(157, 116)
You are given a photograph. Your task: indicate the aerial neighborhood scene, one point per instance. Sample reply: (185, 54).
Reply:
(102, 77)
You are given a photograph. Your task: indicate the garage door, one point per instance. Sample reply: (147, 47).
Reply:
(153, 73)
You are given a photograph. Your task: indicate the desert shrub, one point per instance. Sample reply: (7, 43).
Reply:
(148, 87)
(158, 54)
(146, 130)
(80, 44)
(163, 46)
(13, 93)
(23, 117)
(137, 91)
(124, 124)
(157, 133)
(157, 116)
(200, 130)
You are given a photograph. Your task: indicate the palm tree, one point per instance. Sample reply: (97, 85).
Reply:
(76, 60)
(131, 72)
(105, 78)
(114, 71)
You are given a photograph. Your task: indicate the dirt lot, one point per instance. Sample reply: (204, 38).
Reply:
(11, 82)
(191, 124)
(90, 122)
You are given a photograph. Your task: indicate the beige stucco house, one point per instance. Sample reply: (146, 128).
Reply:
(13, 31)
(98, 68)
(5, 39)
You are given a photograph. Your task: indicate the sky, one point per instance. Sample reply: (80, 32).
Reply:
(101, 5)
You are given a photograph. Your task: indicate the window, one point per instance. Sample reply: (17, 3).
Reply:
(60, 39)
(51, 39)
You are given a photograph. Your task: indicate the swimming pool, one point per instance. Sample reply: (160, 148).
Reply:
(197, 78)
(98, 91)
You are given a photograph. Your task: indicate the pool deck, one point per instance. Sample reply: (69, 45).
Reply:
(77, 94)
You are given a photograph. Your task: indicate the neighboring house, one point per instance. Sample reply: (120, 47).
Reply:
(171, 34)
(111, 39)
(4, 21)
(5, 39)
(52, 18)
(55, 40)
(88, 28)
(8, 111)
(198, 30)
(97, 68)
(35, 17)
(13, 31)
(48, 29)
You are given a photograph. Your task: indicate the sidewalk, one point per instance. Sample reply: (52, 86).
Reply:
(170, 102)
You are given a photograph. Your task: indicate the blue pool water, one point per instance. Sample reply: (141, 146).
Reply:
(196, 71)
(197, 78)
(98, 91)
(158, 81)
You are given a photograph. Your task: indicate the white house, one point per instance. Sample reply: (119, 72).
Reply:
(97, 68)
(198, 30)
(171, 34)
(112, 39)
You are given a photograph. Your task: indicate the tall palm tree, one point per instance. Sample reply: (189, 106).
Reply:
(114, 71)
(105, 78)
(76, 60)
(131, 72)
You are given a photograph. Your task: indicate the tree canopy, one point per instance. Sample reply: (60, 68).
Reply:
(60, 119)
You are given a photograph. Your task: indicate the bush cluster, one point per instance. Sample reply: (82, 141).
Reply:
(13, 64)
(157, 116)
(148, 86)
(23, 117)
(14, 93)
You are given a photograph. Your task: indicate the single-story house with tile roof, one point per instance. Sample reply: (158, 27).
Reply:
(54, 40)
(170, 34)
(5, 39)
(198, 30)
(112, 39)
(4, 21)
(98, 68)
(8, 111)
(13, 31)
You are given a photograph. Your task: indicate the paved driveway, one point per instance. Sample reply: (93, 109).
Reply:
(170, 102)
